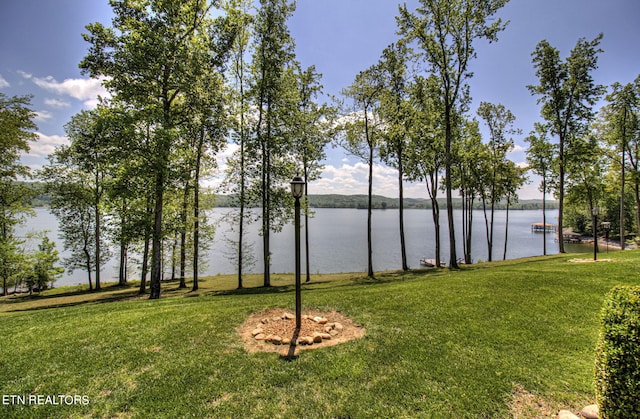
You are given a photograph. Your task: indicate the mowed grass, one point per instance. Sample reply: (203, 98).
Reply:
(438, 344)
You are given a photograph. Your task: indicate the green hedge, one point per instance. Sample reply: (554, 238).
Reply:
(618, 355)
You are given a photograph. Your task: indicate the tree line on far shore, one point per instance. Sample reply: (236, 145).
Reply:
(189, 78)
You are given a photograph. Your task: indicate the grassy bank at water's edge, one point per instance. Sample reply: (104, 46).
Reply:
(438, 344)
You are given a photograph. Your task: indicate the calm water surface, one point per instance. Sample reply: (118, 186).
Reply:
(338, 241)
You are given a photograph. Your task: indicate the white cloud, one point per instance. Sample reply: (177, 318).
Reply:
(56, 103)
(46, 144)
(3, 83)
(86, 90)
(43, 116)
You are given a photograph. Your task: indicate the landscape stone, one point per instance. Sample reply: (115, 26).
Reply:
(338, 326)
(565, 414)
(276, 340)
(323, 321)
(328, 329)
(326, 336)
(286, 341)
(289, 316)
(317, 337)
(333, 332)
(260, 336)
(264, 321)
(591, 411)
(256, 331)
(317, 319)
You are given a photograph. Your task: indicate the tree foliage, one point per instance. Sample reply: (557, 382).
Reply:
(16, 132)
(445, 32)
(567, 93)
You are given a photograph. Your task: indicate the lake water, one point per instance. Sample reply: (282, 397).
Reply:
(338, 241)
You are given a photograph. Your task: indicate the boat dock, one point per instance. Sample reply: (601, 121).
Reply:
(540, 227)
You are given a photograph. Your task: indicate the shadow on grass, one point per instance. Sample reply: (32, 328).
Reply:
(58, 299)
(274, 289)
(395, 276)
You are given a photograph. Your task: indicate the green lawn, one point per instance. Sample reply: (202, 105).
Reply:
(438, 344)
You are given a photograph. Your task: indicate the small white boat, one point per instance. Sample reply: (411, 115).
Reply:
(430, 263)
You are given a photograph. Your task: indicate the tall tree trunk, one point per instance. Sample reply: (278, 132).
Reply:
(266, 199)
(122, 271)
(467, 256)
(403, 249)
(242, 209)
(183, 236)
(156, 238)
(622, 177)
(561, 197)
(435, 213)
(266, 217)
(487, 228)
(145, 254)
(306, 222)
(196, 213)
(242, 195)
(544, 216)
(506, 228)
(369, 140)
(174, 249)
(370, 272)
(88, 266)
(453, 258)
(97, 233)
(432, 189)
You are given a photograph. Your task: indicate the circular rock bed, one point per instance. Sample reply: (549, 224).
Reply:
(274, 331)
(585, 260)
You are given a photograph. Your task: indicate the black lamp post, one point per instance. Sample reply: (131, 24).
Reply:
(297, 190)
(606, 225)
(595, 233)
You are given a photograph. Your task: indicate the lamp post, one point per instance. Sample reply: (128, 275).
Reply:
(595, 233)
(297, 190)
(606, 226)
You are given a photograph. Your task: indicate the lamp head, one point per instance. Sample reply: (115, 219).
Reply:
(297, 187)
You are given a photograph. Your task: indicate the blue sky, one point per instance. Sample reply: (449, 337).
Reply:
(41, 46)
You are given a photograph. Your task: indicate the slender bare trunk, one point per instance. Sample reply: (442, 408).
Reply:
(403, 249)
(306, 223)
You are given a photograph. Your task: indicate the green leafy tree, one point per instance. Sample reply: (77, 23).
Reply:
(585, 181)
(16, 132)
(567, 93)
(312, 133)
(514, 178)
(499, 122)
(425, 148)
(44, 270)
(361, 131)
(540, 156)
(272, 95)
(89, 133)
(395, 112)
(445, 31)
(469, 172)
(240, 17)
(149, 57)
(622, 115)
(72, 193)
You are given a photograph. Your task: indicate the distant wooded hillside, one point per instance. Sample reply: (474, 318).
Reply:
(333, 201)
(383, 202)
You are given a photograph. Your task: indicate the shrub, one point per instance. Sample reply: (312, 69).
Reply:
(618, 355)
